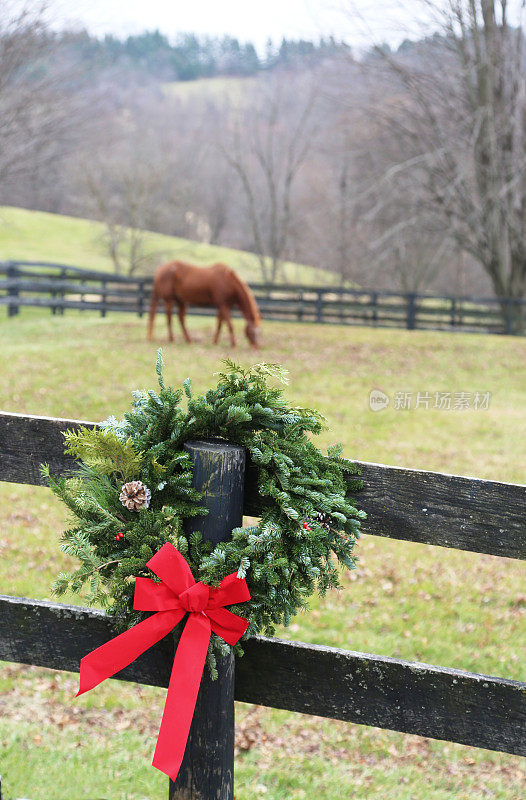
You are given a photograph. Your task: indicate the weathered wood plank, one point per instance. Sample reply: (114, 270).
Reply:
(446, 510)
(118, 303)
(27, 268)
(418, 506)
(27, 441)
(440, 703)
(68, 286)
(383, 692)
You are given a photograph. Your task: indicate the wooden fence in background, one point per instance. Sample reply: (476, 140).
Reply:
(438, 702)
(60, 287)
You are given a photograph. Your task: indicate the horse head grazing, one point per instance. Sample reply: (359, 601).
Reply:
(253, 334)
(249, 308)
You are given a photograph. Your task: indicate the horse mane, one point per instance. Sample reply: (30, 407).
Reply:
(247, 301)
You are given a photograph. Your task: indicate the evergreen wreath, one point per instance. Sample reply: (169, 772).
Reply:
(133, 489)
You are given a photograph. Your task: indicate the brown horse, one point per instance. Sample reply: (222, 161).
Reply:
(215, 286)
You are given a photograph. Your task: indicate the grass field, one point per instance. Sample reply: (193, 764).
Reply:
(415, 602)
(231, 89)
(39, 236)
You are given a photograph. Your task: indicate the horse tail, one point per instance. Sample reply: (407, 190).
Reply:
(247, 301)
(153, 310)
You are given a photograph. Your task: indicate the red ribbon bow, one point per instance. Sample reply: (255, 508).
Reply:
(172, 599)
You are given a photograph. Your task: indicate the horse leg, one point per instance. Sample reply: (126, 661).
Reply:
(153, 309)
(225, 313)
(182, 315)
(168, 309)
(218, 328)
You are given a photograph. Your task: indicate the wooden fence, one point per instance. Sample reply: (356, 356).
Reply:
(60, 287)
(437, 702)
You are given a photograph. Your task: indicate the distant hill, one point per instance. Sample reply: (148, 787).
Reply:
(37, 235)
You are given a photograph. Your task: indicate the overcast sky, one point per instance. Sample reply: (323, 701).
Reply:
(357, 21)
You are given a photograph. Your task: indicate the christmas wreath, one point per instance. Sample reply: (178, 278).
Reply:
(133, 489)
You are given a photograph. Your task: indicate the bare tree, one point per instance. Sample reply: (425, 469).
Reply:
(268, 145)
(32, 122)
(46, 108)
(21, 41)
(145, 176)
(336, 229)
(124, 196)
(458, 103)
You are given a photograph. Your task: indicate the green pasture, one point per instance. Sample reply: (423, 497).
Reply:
(39, 236)
(223, 88)
(411, 601)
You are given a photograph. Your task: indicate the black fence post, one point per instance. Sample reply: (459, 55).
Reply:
(12, 273)
(374, 304)
(207, 770)
(53, 295)
(453, 312)
(103, 297)
(510, 317)
(319, 306)
(141, 298)
(63, 276)
(411, 311)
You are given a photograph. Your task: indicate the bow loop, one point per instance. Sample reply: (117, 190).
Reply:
(230, 591)
(151, 596)
(172, 568)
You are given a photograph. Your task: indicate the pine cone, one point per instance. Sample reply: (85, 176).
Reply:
(135, 495)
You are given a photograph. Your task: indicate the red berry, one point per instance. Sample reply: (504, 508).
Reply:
(308, 528)
(305, 525)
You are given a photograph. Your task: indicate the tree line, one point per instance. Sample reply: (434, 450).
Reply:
(187, 57)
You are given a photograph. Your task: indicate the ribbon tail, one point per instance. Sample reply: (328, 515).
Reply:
(116, 654)
(182, 694)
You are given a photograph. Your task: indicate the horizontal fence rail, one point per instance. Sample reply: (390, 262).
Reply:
(60, 287)
(441, 703)
(414, 505)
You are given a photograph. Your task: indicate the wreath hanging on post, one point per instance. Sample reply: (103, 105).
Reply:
(133, 489)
